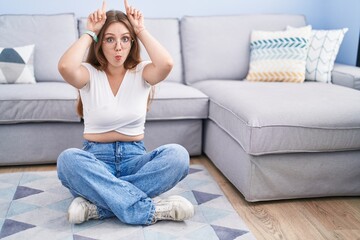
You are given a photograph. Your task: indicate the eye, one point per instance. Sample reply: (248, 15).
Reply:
(125, 39)
(109, 40)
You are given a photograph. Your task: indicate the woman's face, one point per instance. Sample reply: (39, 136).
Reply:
(116, 44)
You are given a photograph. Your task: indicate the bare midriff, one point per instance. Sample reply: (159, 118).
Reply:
(112, 137)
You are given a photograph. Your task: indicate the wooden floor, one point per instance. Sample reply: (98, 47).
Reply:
(305, 219)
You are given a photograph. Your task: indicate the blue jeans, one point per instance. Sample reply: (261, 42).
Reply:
(120, 178)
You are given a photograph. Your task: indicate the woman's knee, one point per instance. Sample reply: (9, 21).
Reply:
(67, 156)
(66, 160)
(179, 156)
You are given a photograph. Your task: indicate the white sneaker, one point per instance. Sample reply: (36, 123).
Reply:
(174, 208)
(81, 210)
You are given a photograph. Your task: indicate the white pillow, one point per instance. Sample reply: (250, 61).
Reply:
(17, 65)
(324, 47)
(279, 56)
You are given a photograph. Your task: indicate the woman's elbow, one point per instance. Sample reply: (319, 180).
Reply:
(62, 67)
(169, 64)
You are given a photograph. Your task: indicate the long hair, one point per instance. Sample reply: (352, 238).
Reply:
(96, 55)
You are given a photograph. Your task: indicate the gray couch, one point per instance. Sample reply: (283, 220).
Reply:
(271, 140)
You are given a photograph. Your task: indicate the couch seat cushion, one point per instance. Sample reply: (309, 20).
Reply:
(177, 101)
(43, 101)
(274, 117)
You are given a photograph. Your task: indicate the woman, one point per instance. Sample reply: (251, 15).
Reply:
(113, 175)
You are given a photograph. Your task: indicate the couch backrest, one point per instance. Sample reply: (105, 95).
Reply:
(218, 47)
(51, 35)
(167, 32)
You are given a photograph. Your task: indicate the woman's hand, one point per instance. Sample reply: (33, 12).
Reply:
(97, 19)
(136, 18)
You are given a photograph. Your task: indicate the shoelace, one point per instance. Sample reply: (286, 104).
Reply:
(90, 210)
(163, 211)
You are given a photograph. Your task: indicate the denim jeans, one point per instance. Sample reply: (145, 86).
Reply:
(121, 178)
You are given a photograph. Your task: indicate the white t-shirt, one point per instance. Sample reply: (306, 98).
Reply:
(124, 113)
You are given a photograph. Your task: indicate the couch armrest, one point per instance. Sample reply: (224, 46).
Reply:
(346, 75)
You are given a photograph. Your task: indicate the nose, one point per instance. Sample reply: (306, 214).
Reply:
(118, 45)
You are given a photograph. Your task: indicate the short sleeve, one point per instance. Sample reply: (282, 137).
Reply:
(90, 69)
(141, 65)
(139, 69)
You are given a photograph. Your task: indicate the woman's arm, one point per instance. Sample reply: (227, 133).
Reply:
(162, 62)
(69, 64)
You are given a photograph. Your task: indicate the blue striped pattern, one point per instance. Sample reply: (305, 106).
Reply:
(268, 54)
(291, 42)
(280, 48)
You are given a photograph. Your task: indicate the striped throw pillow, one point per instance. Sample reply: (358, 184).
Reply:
(279, 56)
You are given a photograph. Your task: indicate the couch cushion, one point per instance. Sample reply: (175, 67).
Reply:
(285, 117)
(51, 34)
(218, 47)
(167, 32)
(174, 101)
(38, 102)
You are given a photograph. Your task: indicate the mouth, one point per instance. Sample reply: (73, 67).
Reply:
(118, 58)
